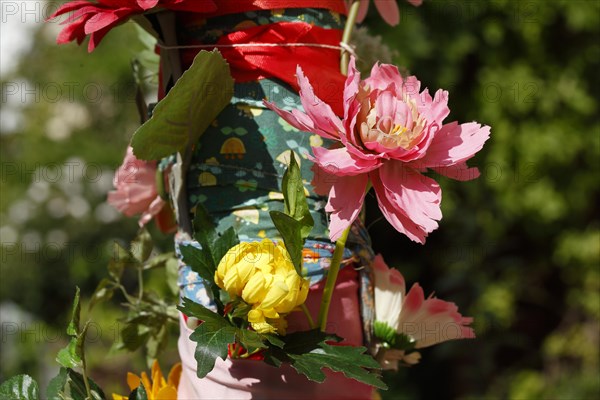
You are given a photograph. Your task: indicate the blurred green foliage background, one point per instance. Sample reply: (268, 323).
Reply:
(518, 249)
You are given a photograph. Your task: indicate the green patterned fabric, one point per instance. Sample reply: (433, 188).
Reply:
(239, 161)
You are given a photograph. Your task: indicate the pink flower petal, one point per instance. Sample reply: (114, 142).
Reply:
(388, 11)
(340, 162)
(418, 196)
(299, 120)
(431, 321)
(454, 144)
(460, 172)
(153, 210)
(322, 181)
(436, 109)
(345, 202)
(394, 215)
(316, 109)
(382, 75)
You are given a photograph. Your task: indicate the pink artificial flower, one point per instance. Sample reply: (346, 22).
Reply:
(388, 9)
(389, 135)
(136, 193)
(426, 321)
(98, 18)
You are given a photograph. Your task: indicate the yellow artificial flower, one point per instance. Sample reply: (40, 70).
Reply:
(262, 274)
(156, 388)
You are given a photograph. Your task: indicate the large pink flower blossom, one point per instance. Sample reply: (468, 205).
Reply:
(391, 133)
(425, 321)
(388, 9)
(136, 193)
(98, 18)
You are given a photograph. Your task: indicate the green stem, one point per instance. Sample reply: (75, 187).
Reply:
(141, 284)
(88, 390)
(308, 316)
(334, 268)
(352, 14)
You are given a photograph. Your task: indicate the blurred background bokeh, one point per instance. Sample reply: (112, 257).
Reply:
(518, 249)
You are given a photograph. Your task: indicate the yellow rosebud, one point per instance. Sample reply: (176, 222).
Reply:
(262, 274)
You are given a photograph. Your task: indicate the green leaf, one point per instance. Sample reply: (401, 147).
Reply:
(120, 260)
(308, 352)
(205, 232)
(250, 339)
(172, 273)
(69, 385)
(141, 246)
(159, 261)
(133, 336)
(224, 243)
(187, 110)
(193, 309)
(156, 344)
(241, 310)
(350, 360)
(290, 231)
(274, 340)
(104, 292)
(197, 260)
(138, 393)
(395, 340)
(294, 198)
(73, 328)
(69, 357)
(212, 342)
(20, 387)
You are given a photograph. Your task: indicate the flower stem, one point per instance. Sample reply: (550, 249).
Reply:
(306, 312)
(334, 268)
(352, 14)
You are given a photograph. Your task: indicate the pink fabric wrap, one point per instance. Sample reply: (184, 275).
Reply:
(250, 379)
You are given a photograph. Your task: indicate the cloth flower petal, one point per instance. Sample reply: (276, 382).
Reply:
(416, 194)
(388, 11)
(345, 202)
(395, 216)
(454, 144)
(340, 162)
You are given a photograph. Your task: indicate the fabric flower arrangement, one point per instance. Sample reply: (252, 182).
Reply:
(391, 133)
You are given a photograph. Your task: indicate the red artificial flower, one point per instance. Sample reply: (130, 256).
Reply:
(96, 19)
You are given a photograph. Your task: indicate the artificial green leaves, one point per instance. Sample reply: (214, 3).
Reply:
(187, 110)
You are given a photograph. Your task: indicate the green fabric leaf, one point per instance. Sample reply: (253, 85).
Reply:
(250, 339)
(308, 353)
(69, 357)
(73, 328)
(395, 340)
(350, 360)
(190, 106)
(141, 246)
(213, 341)
(193, 309)
(295, 202)
(290, 231)
(138, 393)
(197, 260)
(69, 385)
(20, 387)
(205, 233)
(224, 243)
